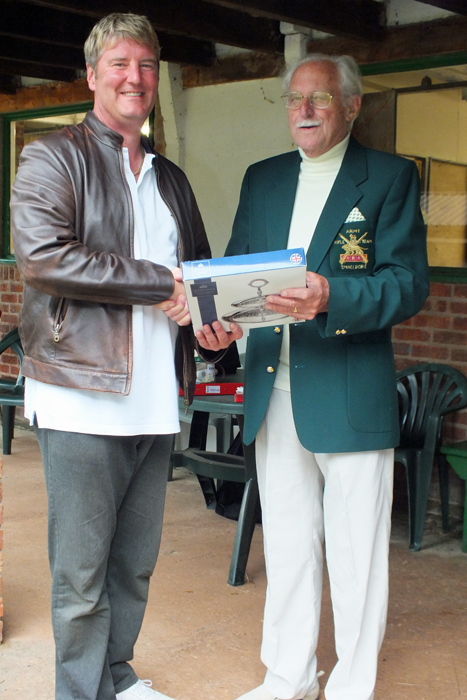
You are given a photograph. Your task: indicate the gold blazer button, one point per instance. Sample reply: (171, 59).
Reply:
(277, 329)
(270, 370)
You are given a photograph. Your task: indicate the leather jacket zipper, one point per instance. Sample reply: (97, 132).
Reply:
(180, 251)
(59, 318)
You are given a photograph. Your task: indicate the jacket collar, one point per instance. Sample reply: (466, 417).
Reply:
(108, 136)
(102, 132)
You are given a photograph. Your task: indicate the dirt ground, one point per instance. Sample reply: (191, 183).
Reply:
(201, 637)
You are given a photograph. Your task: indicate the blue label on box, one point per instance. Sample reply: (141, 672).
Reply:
(239, 264)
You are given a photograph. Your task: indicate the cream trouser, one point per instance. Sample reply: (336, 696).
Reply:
(344, 499)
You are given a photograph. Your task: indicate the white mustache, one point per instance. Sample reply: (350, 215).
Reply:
(307, 123)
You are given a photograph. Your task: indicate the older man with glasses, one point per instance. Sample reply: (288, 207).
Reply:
(320, 395)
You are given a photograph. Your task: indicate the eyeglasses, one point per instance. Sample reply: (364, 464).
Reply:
(320, 100)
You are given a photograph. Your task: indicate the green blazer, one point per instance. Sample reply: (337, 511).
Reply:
(370, 243)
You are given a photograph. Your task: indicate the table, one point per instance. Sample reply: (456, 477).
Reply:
(456, 455)
(209, 466)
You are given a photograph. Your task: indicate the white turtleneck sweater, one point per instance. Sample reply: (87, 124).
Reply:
(315, 182)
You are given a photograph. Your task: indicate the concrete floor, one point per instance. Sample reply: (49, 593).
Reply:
(201, 637)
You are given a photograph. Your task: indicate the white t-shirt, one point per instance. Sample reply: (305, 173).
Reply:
(151, 407)
(317, 176)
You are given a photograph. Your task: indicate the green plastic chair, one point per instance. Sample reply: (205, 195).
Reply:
(211, 468)
(11, 390)
(427, 392)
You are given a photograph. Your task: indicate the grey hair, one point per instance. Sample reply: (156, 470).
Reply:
(115, 27)
(350, 78)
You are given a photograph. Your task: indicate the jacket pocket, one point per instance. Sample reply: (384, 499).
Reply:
(59, 317)
(371, 381)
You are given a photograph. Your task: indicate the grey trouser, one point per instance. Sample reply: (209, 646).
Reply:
(106, 500)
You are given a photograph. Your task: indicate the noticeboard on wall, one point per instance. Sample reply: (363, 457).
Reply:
(444, 208)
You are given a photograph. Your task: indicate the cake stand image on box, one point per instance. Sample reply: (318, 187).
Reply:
(252, 310)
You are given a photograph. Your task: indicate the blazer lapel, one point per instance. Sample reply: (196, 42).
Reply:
(279, 202)
(343, 197)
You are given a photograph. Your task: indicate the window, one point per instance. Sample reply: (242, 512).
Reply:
(430, 125)
(19, 129)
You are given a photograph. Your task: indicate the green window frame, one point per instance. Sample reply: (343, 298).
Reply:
(8, 118)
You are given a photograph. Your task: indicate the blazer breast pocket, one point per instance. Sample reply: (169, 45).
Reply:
(352, 251)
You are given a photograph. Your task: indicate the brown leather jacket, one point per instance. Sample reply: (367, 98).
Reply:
(72, 220)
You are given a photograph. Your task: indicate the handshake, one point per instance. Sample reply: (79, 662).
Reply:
(176, 307)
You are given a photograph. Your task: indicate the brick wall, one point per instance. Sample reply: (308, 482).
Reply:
(11, 299)
(438, 334)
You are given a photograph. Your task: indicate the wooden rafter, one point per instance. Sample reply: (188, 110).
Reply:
(8, 84)
(459, 6)
(192, 18)
(231, 69)
(36, 70)
(412, 41)
(31, 33)
(357, 18)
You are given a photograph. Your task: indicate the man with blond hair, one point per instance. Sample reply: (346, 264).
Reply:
(100, 224)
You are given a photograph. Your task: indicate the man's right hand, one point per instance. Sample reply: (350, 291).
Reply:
(217, 338)
(176, 306)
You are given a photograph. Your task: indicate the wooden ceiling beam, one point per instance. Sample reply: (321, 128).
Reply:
(48, 55)
(231, 69)
(352, 18)
(186, 50)
(24, 25)
(24, 21)
(412, 41)
(36, 70)
(57, 56)
(192, 18)
(8, 84)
